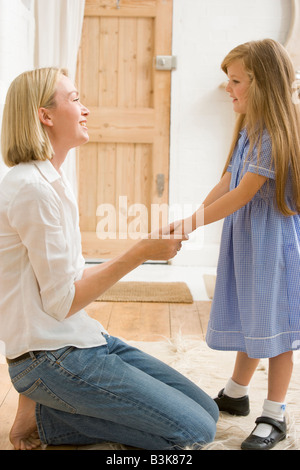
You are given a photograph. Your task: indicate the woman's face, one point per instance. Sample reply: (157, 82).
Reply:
(238, 86)
(69, 117)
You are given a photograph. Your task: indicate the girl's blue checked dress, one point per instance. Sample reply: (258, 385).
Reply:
(256, 305)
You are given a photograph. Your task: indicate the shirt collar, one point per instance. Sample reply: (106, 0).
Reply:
(47, 170)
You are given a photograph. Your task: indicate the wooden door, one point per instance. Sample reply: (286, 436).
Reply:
(125, 166)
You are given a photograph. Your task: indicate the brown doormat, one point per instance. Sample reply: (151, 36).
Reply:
(171, 292)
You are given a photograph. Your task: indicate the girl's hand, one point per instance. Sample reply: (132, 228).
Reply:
(182, 227)
(175, 230)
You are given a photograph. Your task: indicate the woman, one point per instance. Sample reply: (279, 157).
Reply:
(78, 385)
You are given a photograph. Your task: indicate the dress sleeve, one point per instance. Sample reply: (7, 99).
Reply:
(263, 165)
(36, 216)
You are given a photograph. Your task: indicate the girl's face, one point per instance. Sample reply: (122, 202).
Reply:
(238, 86)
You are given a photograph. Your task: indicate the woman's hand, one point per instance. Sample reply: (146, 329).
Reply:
(162, 244)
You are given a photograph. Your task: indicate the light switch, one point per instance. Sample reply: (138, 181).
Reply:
(166, 62)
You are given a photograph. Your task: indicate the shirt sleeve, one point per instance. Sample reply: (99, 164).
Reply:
(36, 215)
(263, 164)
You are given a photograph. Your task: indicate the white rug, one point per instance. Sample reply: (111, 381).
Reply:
(210, 370)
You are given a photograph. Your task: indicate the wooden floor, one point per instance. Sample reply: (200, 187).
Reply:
(131, 321)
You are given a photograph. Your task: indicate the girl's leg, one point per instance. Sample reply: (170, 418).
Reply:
(244, 369)
(234, 398)
(280, 373)
(267, 433)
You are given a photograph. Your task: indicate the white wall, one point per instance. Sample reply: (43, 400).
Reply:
(201, 113)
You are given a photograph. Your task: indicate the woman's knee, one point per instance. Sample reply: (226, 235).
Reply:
(196, 436)
(207, 433)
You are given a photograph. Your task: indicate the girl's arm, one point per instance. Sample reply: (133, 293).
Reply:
(218, 191)
(216, 208)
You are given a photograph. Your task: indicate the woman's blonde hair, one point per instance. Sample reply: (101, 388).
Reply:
(23, 137)
(270, 106)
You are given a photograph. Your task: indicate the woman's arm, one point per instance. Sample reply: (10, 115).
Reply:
(97, 279)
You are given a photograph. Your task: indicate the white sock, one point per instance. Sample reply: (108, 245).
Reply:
(234, 390)
(271, 409)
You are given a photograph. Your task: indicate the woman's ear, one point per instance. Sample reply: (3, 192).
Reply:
(45, 117)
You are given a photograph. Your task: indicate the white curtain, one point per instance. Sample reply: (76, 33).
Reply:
(16, 47)
(39, 33)
(58, 35)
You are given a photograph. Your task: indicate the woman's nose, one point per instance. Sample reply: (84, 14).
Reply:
(228, 88)
(84, 111)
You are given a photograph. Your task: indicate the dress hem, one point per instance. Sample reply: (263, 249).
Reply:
(256, 348)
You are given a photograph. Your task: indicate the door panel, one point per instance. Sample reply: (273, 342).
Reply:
(129, 123)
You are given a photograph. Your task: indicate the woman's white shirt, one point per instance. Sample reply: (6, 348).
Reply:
(40, 260)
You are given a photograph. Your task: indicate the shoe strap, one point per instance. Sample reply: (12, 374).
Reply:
(280, 425)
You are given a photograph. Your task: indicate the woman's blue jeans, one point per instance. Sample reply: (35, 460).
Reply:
(114, 393)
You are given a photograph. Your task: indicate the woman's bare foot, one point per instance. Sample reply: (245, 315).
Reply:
(23, 434)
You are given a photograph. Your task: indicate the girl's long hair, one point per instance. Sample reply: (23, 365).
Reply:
(271, 106)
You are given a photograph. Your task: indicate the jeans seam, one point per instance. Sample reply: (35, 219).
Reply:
(40, 426)
(28, 369)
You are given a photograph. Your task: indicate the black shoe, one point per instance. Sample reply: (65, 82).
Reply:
(277, 434)
(233, 406)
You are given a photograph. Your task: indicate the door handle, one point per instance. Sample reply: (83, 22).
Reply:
(160, 184)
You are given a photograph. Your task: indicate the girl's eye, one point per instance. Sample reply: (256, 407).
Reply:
(235, 82)
(77, 99)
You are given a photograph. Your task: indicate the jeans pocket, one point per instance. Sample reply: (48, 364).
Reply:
(60, 354)
(40, 393)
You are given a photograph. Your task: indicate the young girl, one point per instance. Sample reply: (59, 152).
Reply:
(256, 305)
